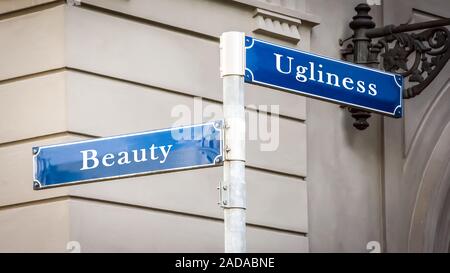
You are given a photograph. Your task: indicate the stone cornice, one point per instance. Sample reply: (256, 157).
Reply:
(303, 16)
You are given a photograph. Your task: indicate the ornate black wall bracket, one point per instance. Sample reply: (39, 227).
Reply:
(419, 57)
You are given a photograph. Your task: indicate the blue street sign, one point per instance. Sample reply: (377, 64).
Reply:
(171, 149)
(324, 78)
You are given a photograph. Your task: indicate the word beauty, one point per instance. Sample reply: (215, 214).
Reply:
(123, 157)
(324, 78)
(171, 149)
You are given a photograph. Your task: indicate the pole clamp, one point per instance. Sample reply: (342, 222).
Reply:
(227, 195)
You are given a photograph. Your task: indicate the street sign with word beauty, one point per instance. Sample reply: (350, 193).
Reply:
(320, 77)
(171, 149)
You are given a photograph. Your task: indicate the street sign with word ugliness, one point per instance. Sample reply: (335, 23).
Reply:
(320, 77)
(171, 149)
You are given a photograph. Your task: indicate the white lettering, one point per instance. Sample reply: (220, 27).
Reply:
(336, 79)
(320, 74)
(372, 89)
(361, 88)
(93, 158)
(143, 156)
(123, 158)
(301, 70)
(308, 73)
(278, 63)
(164, 152)
(311, 71)
(347, 81)
(106, 158)
(152, 152)
(91, 161)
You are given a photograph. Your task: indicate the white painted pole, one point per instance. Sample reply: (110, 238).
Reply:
(233, 191)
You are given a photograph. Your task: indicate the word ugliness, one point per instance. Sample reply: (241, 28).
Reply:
(313, 72)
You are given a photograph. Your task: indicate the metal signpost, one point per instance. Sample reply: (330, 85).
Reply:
(258, 62)
(324, 78)
(232, 188)
(172, 149)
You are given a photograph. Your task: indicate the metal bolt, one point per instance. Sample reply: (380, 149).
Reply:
(225, 188)
(35, 150)
(225, 202)
(227, 149)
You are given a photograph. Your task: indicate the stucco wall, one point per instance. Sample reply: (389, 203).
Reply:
(344, 164)
(113, 67)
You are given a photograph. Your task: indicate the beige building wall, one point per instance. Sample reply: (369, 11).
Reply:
(102, 68)
(344, 164)
(417, 153)
(106, 67)
(389, 184)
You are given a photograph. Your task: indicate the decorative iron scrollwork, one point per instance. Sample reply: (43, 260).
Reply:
(419, 57)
